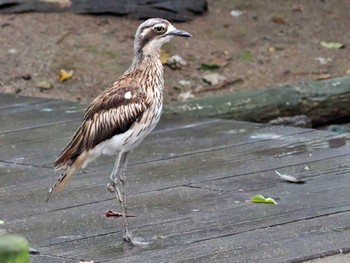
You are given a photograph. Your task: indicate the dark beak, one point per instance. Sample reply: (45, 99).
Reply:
(179, 33)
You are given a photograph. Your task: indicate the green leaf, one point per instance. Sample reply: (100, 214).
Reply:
(335, 45)
(205, 66)
(262, 199)
(2, 222)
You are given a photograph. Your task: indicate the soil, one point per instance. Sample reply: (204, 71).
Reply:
(268, 44)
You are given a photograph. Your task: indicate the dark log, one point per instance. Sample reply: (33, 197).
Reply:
(174, 10)
(322, 101)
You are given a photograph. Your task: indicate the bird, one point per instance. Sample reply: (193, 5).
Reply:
(120, 118)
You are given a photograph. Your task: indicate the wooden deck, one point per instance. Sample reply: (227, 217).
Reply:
(189, 185)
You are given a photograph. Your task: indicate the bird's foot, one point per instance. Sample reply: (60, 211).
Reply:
(136, 241)
(111, 187)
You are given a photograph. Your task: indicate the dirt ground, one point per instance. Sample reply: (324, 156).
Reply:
(267, 44)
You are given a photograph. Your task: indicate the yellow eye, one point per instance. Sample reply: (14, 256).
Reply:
(159, 29)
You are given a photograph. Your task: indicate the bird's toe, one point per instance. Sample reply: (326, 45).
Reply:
(111, 187)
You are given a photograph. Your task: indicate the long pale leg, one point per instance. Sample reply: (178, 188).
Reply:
(118, 180)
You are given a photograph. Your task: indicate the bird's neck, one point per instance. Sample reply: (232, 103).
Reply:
(146, 58)
(148, 63)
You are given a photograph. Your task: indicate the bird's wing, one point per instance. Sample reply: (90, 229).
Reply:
(111, 113)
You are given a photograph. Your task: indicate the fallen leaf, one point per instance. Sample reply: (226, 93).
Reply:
(347, 71)
(220, 61)
(290, 178)
(164, 55)
(44, 85)
(26, 76)
(262, 199)
(111, 213)
(213, 78)
(279, 20)
(65, 75)
(335, 45)
(205, 66)
(2, 222)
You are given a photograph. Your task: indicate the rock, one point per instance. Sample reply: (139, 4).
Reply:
(44, 85)
(183, 96)
(213, 78)
(176, 62)
(179, 10)
(13, 51)
(236, 13)
(185, 83)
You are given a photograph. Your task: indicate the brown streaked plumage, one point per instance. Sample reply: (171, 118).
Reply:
(123, 115)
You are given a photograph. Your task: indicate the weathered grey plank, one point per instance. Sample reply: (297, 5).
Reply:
(166, 172)
(163, 143)
(52, 259)
(10, 100)
(30, 115)
(50, 140)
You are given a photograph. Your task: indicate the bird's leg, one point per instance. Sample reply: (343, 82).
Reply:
(116, 185)
(113, 177)
(127, 236)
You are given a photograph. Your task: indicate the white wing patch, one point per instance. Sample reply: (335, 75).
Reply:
(128, 95)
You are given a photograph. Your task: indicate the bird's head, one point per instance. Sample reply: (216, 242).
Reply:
(153, 33)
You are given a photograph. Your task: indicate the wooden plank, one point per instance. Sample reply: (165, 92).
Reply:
(52, 259)
(28, 113)
(294, 242)
(181, 140)
(10, 100)
(217, 164)
(42, 145)
(29, 116)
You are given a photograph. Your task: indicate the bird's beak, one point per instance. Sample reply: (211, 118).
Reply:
(179, 33)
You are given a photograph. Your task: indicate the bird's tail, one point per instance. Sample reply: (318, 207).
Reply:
(63, 179)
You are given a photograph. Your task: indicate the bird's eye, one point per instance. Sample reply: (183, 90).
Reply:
(159, 29)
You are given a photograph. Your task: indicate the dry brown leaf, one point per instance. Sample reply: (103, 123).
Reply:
(279, 20)
(347, 71)
(111, 213)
